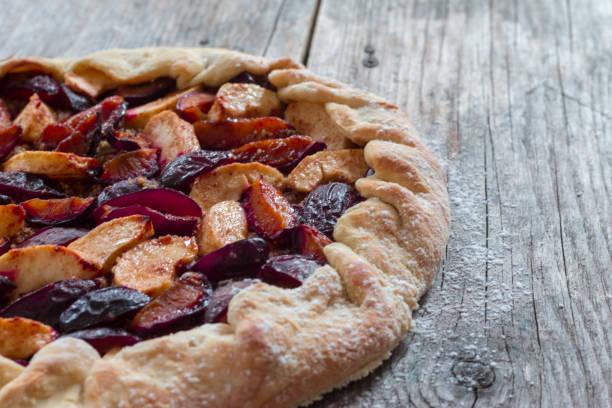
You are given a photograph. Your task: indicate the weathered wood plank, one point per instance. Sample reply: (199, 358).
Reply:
(515, 97)
(73, 28)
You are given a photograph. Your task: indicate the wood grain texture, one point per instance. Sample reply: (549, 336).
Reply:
(514, 97)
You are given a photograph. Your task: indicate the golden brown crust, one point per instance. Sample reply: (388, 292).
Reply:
(280, 347)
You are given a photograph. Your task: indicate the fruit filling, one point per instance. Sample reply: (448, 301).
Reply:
(146, 211)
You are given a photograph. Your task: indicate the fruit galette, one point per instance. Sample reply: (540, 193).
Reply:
(203, 228)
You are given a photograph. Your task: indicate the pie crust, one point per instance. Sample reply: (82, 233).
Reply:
(280, 347)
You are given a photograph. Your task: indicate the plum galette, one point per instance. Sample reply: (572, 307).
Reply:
(186, 227)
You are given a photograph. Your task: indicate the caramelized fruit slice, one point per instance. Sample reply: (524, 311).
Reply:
(284, 154)
(12, 219)
(52, 236)
(142, 93)
(268, 211)
(164, 200)
(229, 182)
(230, 135)
(20, 338)
(103, 244)
(139, 163)
(104, 339)
(47, 303)
(22, 186)
(83, 139)
(5, 115)
(312, 119)
(125, 187)
(121, 141)
(56, 210)
(221, 298)
(180, 173)
(240, 100)
(138, 117)
(194, 106)
(172, 135)
(5, 245)
(9, 139)
(224, 223)
(288, 271)
(163, 224)
(55, 165)
(33, 118)
(101, 306)
(308, 241)
(325, 205)
(151, 266)
(180, 307)
(33, 267)
(238, 259)
(21, 87)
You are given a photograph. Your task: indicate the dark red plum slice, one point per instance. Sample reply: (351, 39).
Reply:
(104, 339)
(9, 139)
(47, 303)
(4, 199)
(138, 163)
(248, 78)
(180, 173)
(101, 306)
(239, 259)
(180, 307)
(221, 298)
(139, 94)
(5, 245)
(235, 133)
(119, 142)
(125, 187)
(23, 186)
(52, 236)
(5, 115)
(164, 200)
(268, 212)
(163, 224)
(57, 211)
(58, 95)
(194, 106)
(324, 205)
(308, 241)
(288, 271)
(6, 287)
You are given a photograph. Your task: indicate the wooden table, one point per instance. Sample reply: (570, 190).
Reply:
(515, 98)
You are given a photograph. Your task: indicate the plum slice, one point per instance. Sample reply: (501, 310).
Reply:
(21, 87)
(5, 245)
(52, 236)
(182, 171)
(6, 287)
(233, 134)
(138, 163)
(56, 211)
(5, 115)
(268, 211)
(248, 78)
(284, 154)
(288, 271)
(219, 303)
(180, 307)
(47, 303)
(163, 224)
(164, 200)
(325, 205)
(9, 139)
(22, 186)
(239, 259)
(104, 339)
(139, 94)
(194, 105)
(308, 241)
(101, 306)
(125, 187)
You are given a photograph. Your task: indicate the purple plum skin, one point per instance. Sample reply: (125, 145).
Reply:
(53, 236)
(23, 186)
(288, 271)
(163, 224)
(217, 308)
(104, 339)
(180, 173)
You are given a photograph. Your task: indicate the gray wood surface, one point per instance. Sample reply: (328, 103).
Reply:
(515, 98)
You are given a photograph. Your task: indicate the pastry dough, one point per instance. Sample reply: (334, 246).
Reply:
(280, 347)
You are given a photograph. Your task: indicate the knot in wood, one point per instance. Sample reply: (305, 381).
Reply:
(473, 374)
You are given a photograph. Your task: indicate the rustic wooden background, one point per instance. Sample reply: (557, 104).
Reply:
(514, 97)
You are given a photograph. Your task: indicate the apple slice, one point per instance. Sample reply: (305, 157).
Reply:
(34, 118)
(240, 100)
(56, 211)
(151, 266)
(138, 117)
(9, 139)
(172, 135)
(227, 183)
(268, 211)
(55, 165)
(346, 166)
(12, 219)
(102, 245)
(311, 119)
(235, 133)
(21, 337)
(33, 267)
(224, 223)
(194, 106)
